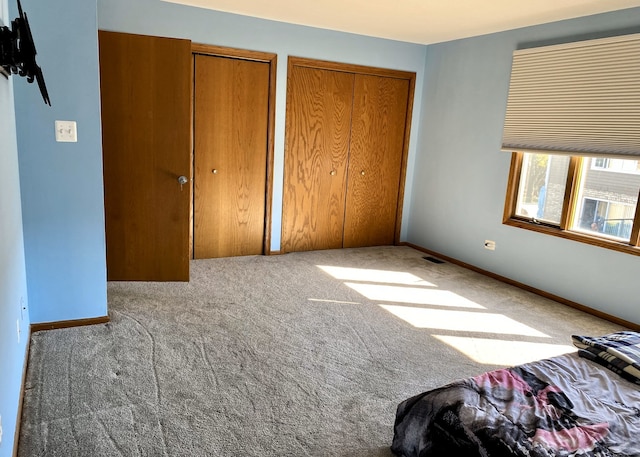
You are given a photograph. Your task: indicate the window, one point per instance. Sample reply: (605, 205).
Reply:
(609, 218)
(572, 116)
(592, 200)
(616, 165)
(600, 163)
(542, 187)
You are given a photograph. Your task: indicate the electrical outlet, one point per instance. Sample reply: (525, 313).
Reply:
(18, 327)
(22, 308)
(0, 429)
(490, 245)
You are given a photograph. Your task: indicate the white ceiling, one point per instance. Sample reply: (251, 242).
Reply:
(416, 21)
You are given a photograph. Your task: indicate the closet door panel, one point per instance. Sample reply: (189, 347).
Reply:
(375, 162)
(230, 136)
(318, 122)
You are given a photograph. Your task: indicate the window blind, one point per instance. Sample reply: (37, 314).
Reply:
(581, 98)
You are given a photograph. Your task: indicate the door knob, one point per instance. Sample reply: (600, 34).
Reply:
(182, 180)
(214, 171)
(332, 173)
(362, 172)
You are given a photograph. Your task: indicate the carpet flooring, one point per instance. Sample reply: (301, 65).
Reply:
(304, 354)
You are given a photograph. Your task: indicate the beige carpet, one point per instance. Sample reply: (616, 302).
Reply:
(293, 355)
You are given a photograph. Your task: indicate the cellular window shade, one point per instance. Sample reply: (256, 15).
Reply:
(580, 98)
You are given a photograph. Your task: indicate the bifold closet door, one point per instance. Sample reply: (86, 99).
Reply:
(231, 103)
(375, 160)
(318, 124)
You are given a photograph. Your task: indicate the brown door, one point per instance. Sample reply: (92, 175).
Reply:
(231, 105)
(319, 104)
(145, 85)
(375, 160)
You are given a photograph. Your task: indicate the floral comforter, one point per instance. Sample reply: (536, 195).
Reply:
(564, 406)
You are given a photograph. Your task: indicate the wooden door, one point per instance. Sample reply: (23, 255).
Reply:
(145, 85)
(231, 107)
(375, 161)
(318, 122)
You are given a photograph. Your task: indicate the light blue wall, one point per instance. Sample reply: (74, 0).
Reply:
(61, 183)
(13, 281)
(154, 17)
(458, 199)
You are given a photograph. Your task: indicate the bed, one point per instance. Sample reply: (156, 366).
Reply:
(584, 404)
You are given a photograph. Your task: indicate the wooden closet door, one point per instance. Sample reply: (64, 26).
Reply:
(145, 88)
(318, 122)
(375, 161)
(231, 102)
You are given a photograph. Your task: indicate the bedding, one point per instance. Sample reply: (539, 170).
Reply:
(563, 406)
(619, 352)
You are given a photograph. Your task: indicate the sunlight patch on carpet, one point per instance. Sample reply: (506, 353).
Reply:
(413, 295)
(504, 352)
(465, 321)
(379, 276)
(335, 301)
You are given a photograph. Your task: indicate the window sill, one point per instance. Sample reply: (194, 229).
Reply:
(574, 236)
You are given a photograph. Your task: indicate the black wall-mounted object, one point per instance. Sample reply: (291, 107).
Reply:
(18, 52)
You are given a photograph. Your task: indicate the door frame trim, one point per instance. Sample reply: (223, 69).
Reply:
(410, 76)
(256, 56)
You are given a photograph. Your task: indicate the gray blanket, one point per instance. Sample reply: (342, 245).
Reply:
(564, 406)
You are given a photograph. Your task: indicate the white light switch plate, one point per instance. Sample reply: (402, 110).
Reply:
(66, 131)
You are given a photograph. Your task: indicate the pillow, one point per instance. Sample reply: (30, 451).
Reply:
(618, 366)
(620, 352)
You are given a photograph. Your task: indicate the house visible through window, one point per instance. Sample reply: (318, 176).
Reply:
(609, 218)
(583, 198)
(618, 165)
(600, 163)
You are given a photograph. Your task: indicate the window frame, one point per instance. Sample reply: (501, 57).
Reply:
(562, 230)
